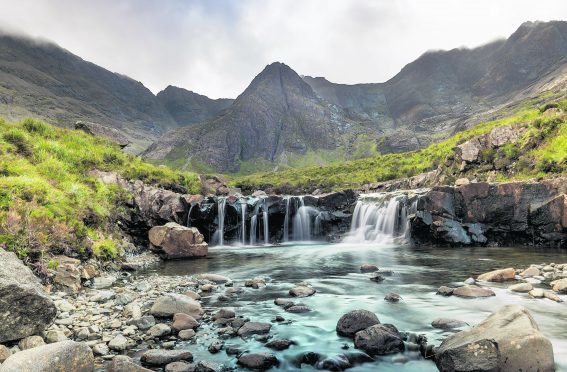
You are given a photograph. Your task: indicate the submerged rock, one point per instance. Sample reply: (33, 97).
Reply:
(25, 308)
(258, 361)
(354, 321)
(444, 323)
(59, 356)
(392, 297)
(379, 339)
(254, 328)
(368, 268)
(445, 291)
(508, 340)
(174, 241)
(280, 344)
(302, 291)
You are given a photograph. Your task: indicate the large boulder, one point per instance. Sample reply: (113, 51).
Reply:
(173, 303)
(25, 309)
(60, 356)
(380, 339)
(499, 275)
(173, 241)
(354, 321)
(510, 336)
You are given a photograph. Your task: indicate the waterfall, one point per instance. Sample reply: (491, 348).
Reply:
(253, 222)
(302, 221)
(189, 216)
(286, 220)
(266, 228)
(379, 218)
(318, 230)
(221, 208)
(243, 207)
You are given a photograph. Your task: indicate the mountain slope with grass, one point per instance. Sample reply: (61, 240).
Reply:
(530, 143)
(50, 200)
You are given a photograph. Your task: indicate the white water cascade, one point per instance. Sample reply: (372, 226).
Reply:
(302, 221)
(286, 220)
(253, 224)
(243, 207)
(379, 218)
(221, 209)
(189, 215)
(266, 227)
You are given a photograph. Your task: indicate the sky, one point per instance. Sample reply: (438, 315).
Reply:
(216, 47)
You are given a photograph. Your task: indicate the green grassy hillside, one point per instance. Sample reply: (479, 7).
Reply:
(540, 151)
(49, 202)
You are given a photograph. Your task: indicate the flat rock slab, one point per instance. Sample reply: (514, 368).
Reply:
(215, 278)
(161, 357)
(473, 291)
(302, 291)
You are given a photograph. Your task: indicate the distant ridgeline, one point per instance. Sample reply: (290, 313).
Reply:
(282, 119)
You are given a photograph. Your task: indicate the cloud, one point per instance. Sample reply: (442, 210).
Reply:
(216, 47)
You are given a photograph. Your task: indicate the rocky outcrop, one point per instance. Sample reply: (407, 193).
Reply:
(508, 340)
(99, 130)
(25, 309)
(173, 241)
(482, 213)
(59, 356)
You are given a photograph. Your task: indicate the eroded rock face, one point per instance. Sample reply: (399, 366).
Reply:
(510, 339)
(60, 356)
(25, 309)
(173, 241)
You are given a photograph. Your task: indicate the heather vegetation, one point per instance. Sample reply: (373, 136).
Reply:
(50, 202)
(540, 152)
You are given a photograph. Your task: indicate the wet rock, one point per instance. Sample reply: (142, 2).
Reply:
(297, 309)
(530, 272)
(160, 357)
(159, 330)
(208, 366)
(233, 350)
(59, 356)
(521, 287)
(183, 321)
(144, 323)
(224, 313)
(560, 286)
(356, 320)
(4, 353)
(470, 281)
(215, 278)
(174, 241)
(25, 309)
(172, 303)
(186, 334)
(180, 367)
(377, 278)
(392, 297)
(499, 275)
(255, 283)
(550, 295)
(536, 293)
(338, 362)
(280, 344)
(215, 346)
(517, 344)
(473, 291)
(445, 323)
(379, 339)
(258, 361)
(368, 268)
(302, 291)
(101, 349)
(254, 328)
(445, 291)
(30, 342)
(283, 302)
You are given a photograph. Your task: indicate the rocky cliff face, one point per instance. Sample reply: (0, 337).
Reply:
(187, 107)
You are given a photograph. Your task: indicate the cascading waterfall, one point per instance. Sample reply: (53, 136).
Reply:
(189, 216)
(266, 228)
(243, 207)
(221, 208)
(379, 218)
(286, 220)
(302, 221)
(253, 224)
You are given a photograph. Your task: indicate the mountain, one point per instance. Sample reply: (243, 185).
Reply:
(41, 79)
(187, 107)
(431, 98)
(277, 113)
